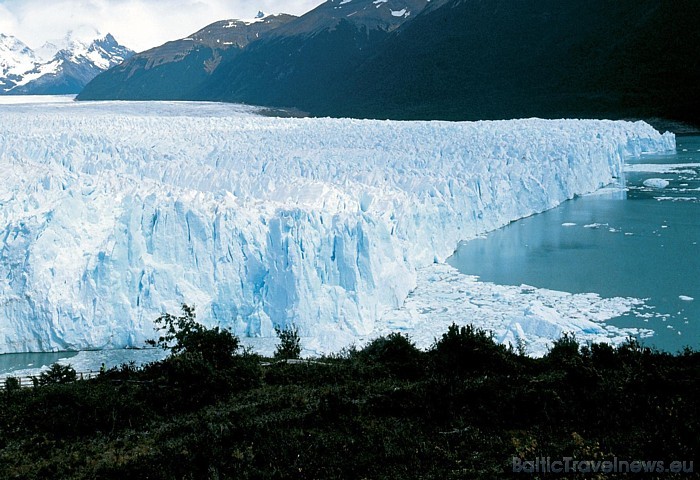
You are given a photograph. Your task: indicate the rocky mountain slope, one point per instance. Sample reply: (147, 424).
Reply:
(177, 69)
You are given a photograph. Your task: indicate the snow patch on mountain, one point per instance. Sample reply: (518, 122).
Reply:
(111, 213)
(15, 57)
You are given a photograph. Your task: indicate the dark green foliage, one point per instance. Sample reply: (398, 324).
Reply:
(467, 407)
(290, 344)
(204, 365)
(12, 384)
(565, 351)
(463, 350)
(396, 353)
(184, 336)
(603, 355)
(58, 373)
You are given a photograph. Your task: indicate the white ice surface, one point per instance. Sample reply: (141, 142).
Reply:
(655, 183)
(20, 99)
(659, 167)
(533, 315)
(113, 212)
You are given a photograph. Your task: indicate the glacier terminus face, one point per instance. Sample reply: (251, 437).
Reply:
(114, 212)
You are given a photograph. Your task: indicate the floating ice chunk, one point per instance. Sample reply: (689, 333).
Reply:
(686, 298)
(659, 167)
(523, 313)
(568, 224)
(675, 199)
(655, 183)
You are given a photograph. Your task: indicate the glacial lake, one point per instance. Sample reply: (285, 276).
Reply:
(635, 239)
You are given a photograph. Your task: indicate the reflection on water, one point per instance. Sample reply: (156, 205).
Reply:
(640, 242)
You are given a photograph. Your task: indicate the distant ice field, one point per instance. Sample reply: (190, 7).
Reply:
(35, 99)
(114, 212)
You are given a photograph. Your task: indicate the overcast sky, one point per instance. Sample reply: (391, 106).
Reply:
(138, 24)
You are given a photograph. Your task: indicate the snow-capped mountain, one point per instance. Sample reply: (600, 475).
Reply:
(56, 68)
(16, 59)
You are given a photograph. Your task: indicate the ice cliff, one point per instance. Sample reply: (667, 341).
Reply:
(111, 213)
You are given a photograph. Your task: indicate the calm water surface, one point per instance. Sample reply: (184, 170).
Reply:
(642, 241)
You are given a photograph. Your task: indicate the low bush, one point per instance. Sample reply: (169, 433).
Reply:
(58, 373)
(396, 353)
(289, 347)
(468, 350)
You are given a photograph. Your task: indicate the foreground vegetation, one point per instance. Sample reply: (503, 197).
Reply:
(462, 409)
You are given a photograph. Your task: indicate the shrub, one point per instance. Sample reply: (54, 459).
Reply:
(290, 344)
(12, 384)
(604, 355)
(58, 373)
(565, 350)
(396, 352)
(183, 335)
(468, 349)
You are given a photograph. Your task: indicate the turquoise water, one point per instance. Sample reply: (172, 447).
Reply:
(16, 363)
(642, 241)
(28, 364)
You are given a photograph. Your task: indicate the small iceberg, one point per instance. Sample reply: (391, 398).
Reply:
(655, 183)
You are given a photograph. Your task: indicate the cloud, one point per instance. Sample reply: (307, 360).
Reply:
(138, 24)
(8, 22)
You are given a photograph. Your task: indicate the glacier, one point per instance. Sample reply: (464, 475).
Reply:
(114, 212)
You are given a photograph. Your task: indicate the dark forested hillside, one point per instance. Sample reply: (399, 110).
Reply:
(516, 58)
(458, 60)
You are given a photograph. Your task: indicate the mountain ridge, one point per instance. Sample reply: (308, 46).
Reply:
(53, 70)
(172, 71)
(457, 60)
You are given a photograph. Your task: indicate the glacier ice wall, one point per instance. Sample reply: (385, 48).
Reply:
(113, 212)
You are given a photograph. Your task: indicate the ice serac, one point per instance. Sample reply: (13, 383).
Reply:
(112, 213)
